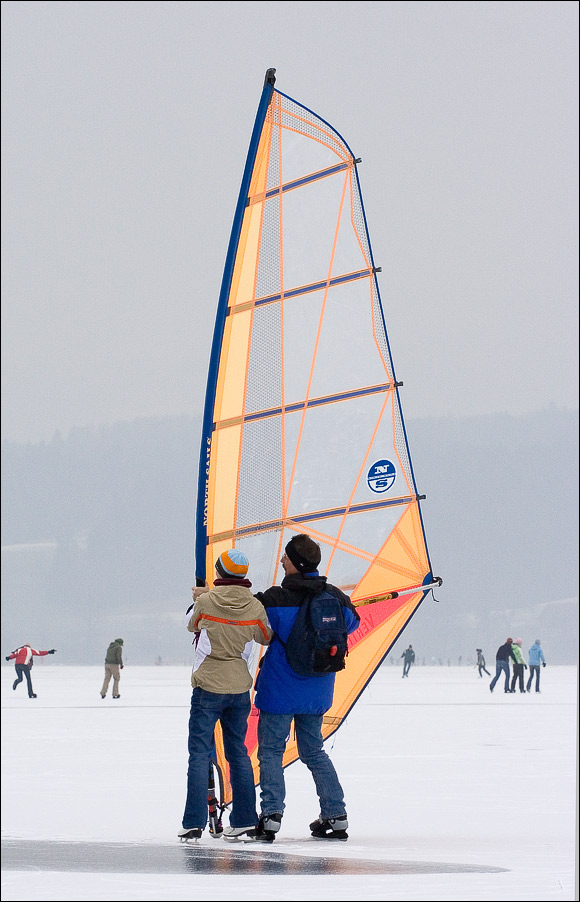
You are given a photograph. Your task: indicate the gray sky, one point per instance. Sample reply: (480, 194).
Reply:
(125, 132)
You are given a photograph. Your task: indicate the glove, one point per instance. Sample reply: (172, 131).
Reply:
(7, 657)
(543, 663)
(52, 651)
(525, 666)
(122, 666)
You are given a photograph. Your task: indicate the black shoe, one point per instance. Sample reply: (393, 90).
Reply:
(491, 688)
(33, 696)
(268, 826)
(185, 834)
(330, 828)
(15, 684)
(116, 696)
(103, 696)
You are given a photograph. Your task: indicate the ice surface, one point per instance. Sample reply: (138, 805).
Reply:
(453, 794)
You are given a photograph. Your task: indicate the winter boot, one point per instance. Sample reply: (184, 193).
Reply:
(189, 833)
(267, 828)
(330, 828)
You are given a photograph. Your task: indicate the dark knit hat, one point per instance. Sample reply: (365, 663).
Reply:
(302, 563)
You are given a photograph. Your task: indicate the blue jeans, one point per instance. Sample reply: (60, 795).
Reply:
(232, 712)
(273, 732)
(534, 669)
(499, 667)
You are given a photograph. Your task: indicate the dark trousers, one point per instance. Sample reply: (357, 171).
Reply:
(534, 669)
(518, 675)
(483, 667)
(501, 667)
(23, 670)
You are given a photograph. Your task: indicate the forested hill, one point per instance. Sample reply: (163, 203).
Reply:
(98, 535)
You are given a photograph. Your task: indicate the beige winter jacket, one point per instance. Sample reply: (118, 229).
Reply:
(229, 619)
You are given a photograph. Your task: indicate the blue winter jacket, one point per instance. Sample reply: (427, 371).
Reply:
(536, 655)
(279, 690)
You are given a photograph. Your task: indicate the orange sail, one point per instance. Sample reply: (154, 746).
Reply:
(303, 430)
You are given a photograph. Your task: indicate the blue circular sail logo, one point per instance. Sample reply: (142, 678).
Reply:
(381, 476)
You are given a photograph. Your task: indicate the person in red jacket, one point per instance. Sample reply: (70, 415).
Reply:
(24, 662)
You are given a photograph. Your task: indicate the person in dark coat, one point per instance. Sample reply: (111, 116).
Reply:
(282, 696)
(113, 667)
(502, 664)
(409, 656)
(481, 662)
(23, 661)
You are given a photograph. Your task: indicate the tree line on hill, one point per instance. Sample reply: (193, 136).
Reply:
(98, 533)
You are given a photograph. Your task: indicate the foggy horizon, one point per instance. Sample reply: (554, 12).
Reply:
(125, 132)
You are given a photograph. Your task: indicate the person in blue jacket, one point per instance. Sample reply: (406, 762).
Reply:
(282, 696)
(536, 657)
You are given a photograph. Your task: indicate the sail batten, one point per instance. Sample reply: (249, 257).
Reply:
(299, 183)
(309, 402)
(303, 429)
(304, 289)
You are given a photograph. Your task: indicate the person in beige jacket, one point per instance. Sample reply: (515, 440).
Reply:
(227, 620)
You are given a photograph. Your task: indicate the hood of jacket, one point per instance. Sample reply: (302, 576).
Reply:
(231, 598)
(308, 585)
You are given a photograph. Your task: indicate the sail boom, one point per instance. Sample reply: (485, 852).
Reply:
(389, 596)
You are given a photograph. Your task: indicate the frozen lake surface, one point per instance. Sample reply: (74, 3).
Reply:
(452, 793)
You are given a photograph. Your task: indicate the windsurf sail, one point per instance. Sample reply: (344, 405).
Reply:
(303, 430)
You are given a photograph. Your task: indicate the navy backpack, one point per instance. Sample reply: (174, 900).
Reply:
(318, 641)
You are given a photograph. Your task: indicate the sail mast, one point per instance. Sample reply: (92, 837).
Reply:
(207, 425)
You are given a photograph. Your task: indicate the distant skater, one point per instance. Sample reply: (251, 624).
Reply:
(113, 666)
(24, 662)
(519, 667)
(536, 657)
(481, 662)
(409, 656)
(502, 664)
